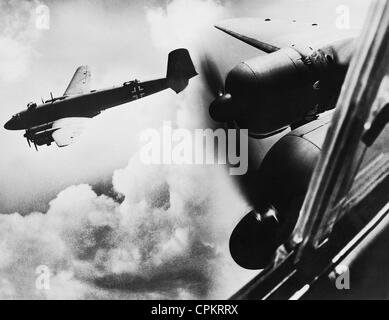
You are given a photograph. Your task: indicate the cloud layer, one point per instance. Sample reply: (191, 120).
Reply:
(160, 242)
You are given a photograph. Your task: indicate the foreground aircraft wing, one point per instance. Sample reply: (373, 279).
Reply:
(346, 211)
(67, 130)
(80, 82)
(270, 35)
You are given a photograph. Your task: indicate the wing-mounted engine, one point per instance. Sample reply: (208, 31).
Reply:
(40, 135)
(271, 92)
(63, 132)
(281, 184)
(300, 77)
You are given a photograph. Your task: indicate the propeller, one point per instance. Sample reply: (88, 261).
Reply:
(212, 75)
(27, 136)
(221, 109)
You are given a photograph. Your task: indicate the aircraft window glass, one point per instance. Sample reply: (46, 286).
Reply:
(379, 148)
(373, 165)
(373, 149)
(379, 140)
(345, 155)
(368, 168)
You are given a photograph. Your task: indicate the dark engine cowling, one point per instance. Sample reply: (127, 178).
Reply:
(282, 182)
(42, 135)
(273, 91)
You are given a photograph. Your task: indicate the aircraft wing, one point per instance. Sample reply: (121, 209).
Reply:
(80, 82)
(270, 35)
(67, 130)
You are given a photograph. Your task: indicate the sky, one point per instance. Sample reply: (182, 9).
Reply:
(106, 225)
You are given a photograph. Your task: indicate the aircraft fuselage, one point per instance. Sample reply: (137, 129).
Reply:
(85, 105)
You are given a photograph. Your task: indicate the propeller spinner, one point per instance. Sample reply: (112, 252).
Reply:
(221, 109)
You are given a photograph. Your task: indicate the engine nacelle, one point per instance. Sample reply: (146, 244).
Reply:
(40, 138)
(273, 91)
(282, 183)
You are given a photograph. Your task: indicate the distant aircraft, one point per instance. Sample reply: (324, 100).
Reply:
(62, 119)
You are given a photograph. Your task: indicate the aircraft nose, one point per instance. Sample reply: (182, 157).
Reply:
(10, 124)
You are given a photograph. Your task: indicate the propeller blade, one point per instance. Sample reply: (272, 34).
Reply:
(213, 78)
(28, 141)
(36, 148)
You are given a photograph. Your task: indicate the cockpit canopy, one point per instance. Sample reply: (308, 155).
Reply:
(31, 106)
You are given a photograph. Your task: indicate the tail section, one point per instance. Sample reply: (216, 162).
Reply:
(180, 69)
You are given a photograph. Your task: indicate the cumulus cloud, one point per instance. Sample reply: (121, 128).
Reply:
(159, 242)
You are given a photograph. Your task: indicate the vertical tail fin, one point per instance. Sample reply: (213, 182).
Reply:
(180, 69)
